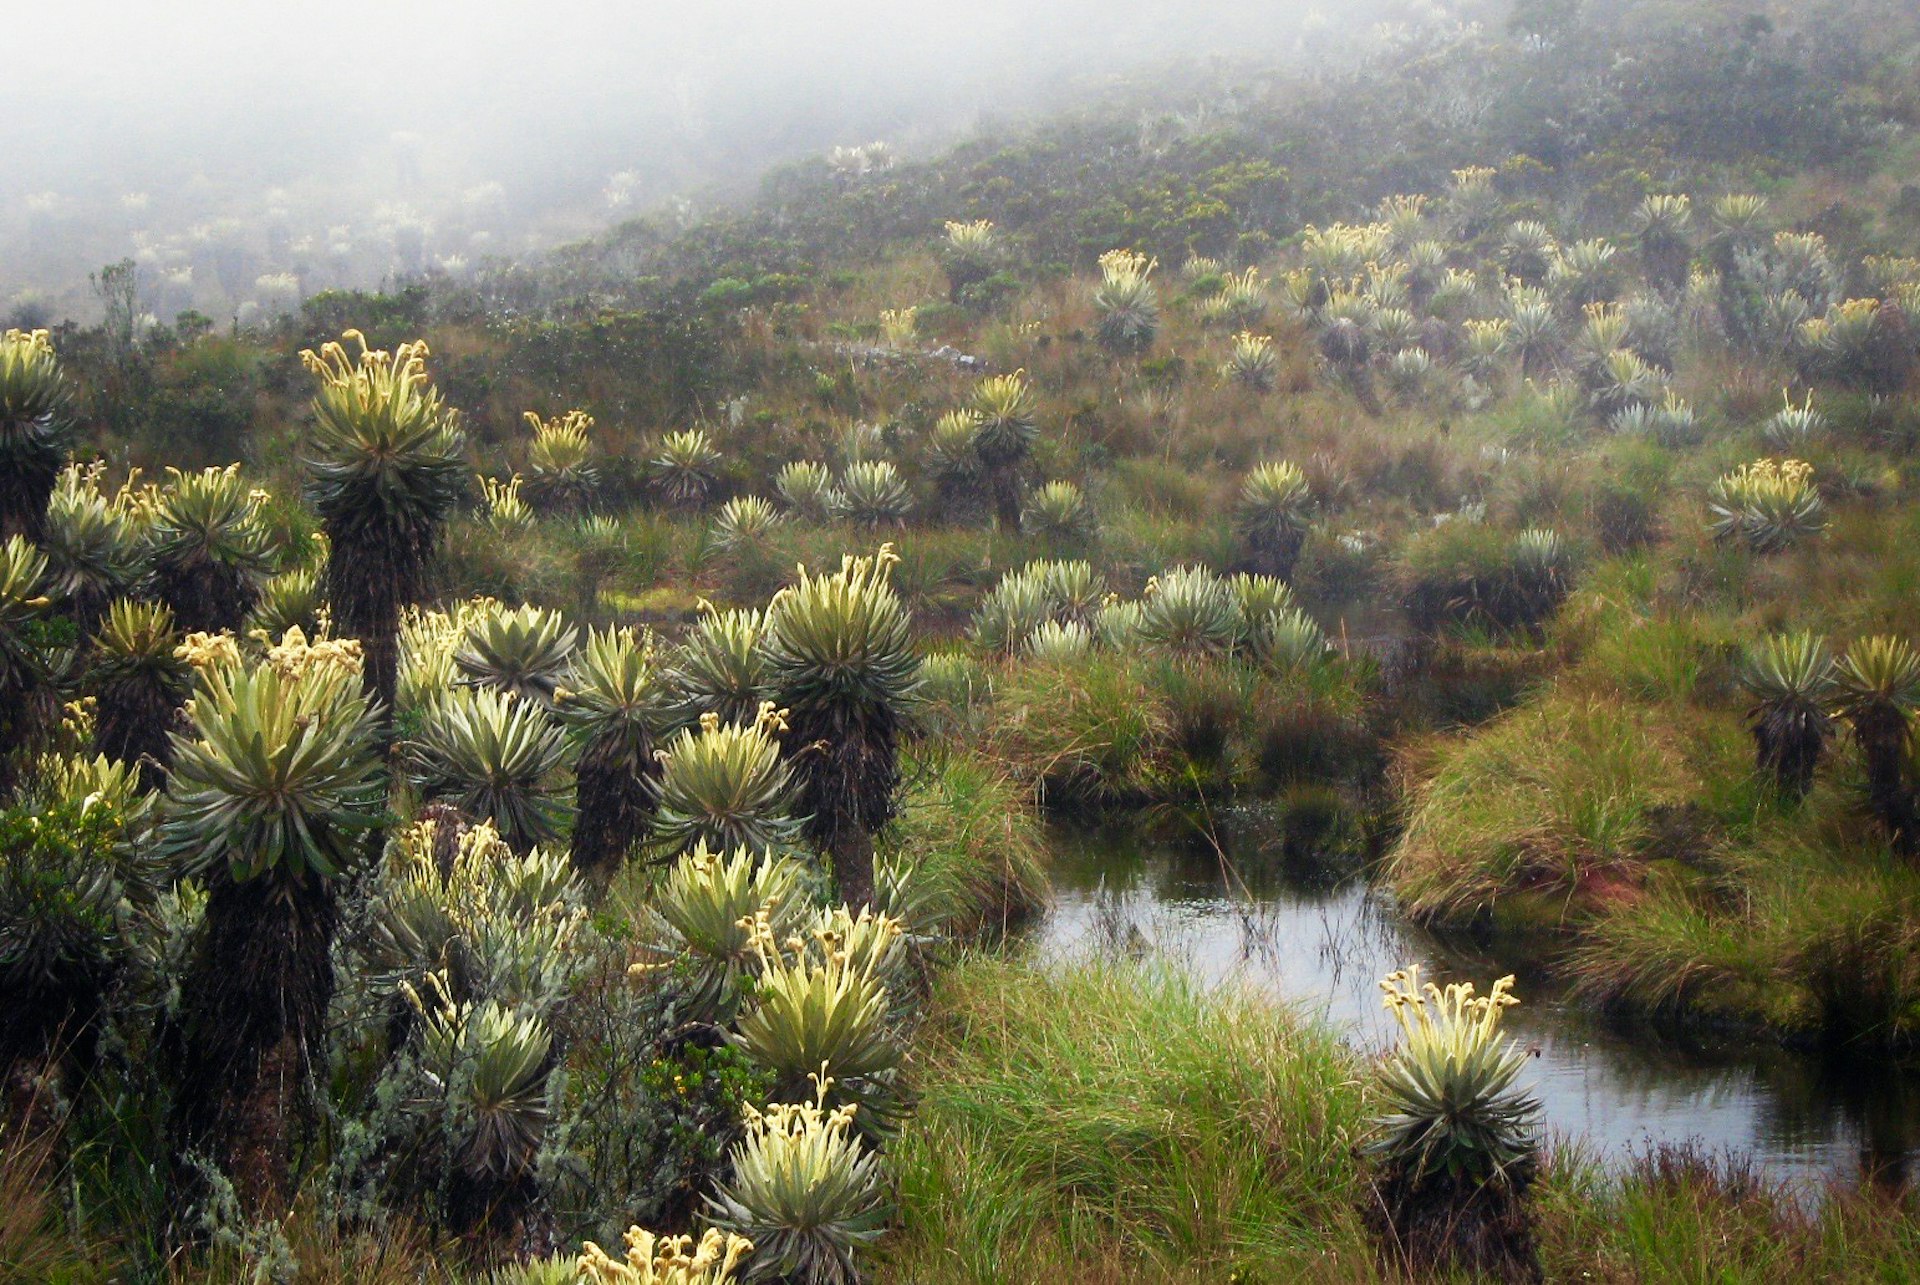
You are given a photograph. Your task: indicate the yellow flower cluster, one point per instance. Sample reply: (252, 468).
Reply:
(428, 641)
(77, 718)
(802, 1122)
(575, 423)
(375, 375)
(836, 934)
(1849, 323)
(864, 568)
(1781, 476)
(295, 657)
(977, 235)
(764, 940)
(1453, 1019)
(665, 1260)
(897, 325)
(133, 503)
(29, 343)
(849, 950)
(206, 651)
(470, 891)
(29, 371)
(1404, 207)
(255, 497)
(1126, 268)
(1487, 334)
(1887, 270)
(1342, 253)
(506, 511)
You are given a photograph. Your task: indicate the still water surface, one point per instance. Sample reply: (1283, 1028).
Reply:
(1806, 1119)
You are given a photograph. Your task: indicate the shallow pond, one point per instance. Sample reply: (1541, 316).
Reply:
(1804, 1118)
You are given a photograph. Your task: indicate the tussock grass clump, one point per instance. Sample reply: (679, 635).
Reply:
(1670, 950)
(1684, 658)
(1678, 1213)
(1820, 943)
(1559, 797)
(952, 686)
(971, 832)
(1467, 572)
(1185, 1135)
(1088, 732)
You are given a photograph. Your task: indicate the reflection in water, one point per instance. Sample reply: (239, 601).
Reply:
(1803, 1118)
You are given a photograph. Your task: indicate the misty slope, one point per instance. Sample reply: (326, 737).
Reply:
(1585, 106)
(234, 146)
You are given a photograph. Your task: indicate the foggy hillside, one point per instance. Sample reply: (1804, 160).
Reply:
(248, 154)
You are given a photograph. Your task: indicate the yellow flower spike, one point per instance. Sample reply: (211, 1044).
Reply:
(30, 343)
(665, 1260)
(573, 423)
